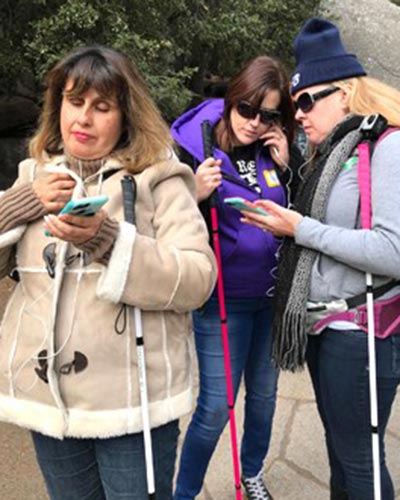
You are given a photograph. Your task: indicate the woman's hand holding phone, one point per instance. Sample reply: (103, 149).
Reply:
(77, 229)
(281, 221)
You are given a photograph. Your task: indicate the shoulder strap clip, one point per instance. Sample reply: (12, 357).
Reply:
(373, 126)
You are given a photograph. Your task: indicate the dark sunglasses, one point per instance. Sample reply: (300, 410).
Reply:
(306, 101)
(267, 116)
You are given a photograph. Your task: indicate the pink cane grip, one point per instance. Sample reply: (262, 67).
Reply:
(225, 343)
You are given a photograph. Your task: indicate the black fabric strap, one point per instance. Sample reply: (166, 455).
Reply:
(357, 300)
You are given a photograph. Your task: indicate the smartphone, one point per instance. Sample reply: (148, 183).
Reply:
(84, 206)
(239, 204)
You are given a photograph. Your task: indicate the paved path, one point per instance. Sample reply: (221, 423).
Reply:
(296, 467)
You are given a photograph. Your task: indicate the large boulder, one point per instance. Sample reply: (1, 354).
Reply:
(12, 151)
(370, 29)
(18, 117)
(16, 113)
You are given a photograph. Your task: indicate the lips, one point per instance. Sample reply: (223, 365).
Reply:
(81, 136)
(250, 133)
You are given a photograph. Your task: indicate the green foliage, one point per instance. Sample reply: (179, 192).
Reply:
(75, 21)
(177, 44)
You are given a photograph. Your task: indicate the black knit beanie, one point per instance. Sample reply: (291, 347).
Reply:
(321, 56)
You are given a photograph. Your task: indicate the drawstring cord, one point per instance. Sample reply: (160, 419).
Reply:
(48, 338)
(121, 318)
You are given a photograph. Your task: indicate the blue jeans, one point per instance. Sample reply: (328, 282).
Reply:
(107, 469)
(338, 364)
(249, 333)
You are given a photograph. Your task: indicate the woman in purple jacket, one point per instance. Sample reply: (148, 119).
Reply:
(252, 130)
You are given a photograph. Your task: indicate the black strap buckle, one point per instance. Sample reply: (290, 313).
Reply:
(373, 126)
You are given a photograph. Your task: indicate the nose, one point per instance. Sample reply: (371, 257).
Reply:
(255, 122)
(84, 116)
(299, 114)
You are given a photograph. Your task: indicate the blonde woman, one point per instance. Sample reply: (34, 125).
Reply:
(326, 254)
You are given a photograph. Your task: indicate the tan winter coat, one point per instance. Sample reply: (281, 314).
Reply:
(164, 266)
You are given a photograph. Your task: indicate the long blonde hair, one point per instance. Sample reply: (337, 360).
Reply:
(369, 96)
(145, 137)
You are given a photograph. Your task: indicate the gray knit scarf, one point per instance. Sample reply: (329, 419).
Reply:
(294, 273)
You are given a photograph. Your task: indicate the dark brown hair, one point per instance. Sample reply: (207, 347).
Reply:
(251, 84)
(145, 136)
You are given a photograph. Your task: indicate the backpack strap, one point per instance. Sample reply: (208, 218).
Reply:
(388, 131)
(364, 184)
(365, 150)
(374, 129)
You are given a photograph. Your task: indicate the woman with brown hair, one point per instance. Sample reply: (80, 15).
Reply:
(68, 363)
(253, 128)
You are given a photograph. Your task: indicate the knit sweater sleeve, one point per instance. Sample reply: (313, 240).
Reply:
(100, 247)
(19, 205)
(377, 250)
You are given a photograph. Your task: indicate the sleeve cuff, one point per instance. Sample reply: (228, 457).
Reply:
(304, 230)
(111, 284)
(98, 248)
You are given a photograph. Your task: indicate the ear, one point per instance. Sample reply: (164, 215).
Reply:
(345, 99)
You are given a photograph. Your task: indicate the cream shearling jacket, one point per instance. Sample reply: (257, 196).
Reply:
(64, 368)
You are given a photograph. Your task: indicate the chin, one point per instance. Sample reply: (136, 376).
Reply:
(84, 154)
(245, 140)
(316, 140)
(313, 138)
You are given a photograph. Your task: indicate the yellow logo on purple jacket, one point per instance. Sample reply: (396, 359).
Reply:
(271, 178)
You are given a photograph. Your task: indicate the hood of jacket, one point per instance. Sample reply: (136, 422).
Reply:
(187, 129)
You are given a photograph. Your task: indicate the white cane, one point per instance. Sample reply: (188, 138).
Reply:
(129, 196)
(364, 180)
(373, 392)
(144, 402)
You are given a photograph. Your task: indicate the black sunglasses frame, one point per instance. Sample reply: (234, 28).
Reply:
(267, 116)
(311, 99)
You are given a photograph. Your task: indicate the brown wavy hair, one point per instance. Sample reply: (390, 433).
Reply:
(251, 84)
(145, 137)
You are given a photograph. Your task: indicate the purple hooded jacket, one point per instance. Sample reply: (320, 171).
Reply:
(248, 253)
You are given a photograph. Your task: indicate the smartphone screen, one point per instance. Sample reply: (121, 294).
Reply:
(239, 204)
(85, 206)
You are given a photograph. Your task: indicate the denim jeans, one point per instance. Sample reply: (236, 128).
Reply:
(249, 334)
(338, 364)
(107, 469)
